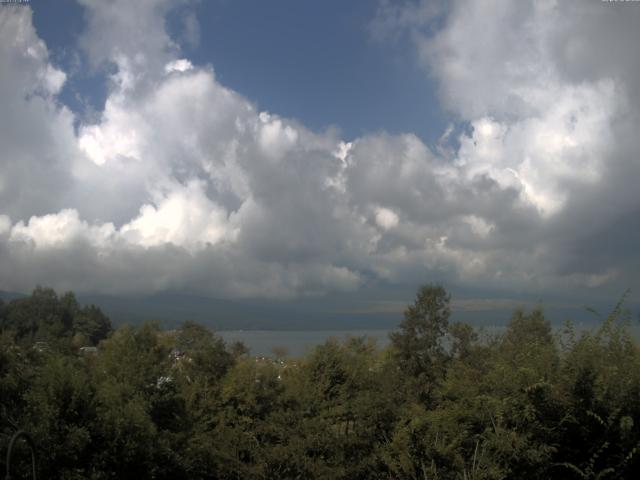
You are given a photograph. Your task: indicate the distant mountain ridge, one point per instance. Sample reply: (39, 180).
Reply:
(313, 313)
(8, 296)
(173, 309)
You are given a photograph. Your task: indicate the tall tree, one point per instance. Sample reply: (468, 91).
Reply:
(418, 346)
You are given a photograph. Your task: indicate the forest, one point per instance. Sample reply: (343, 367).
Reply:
(441, 401)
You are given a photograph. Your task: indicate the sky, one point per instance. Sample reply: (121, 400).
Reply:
(289, 150)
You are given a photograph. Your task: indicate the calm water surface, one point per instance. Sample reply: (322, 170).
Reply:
(299, 342)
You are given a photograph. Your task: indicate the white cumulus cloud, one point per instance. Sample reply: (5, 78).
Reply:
(180, 183)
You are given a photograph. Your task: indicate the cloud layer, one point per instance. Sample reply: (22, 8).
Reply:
(184, 185)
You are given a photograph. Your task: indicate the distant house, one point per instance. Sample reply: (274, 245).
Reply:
(263, 360)
(163, 380)
(176, 354)
(41, 347)
(88, 351)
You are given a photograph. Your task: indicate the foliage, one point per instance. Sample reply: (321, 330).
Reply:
(56, 322)
(438, 403)
(418, 345)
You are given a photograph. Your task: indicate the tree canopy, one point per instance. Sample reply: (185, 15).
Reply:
(441, 401)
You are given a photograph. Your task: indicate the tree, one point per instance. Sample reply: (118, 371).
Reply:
(464, 339)
(206, 352)
(418, 344)
(280, 352)
(91, 322)
(45, 317)
(60, 413)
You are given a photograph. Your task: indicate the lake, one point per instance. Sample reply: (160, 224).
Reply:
(299, 342)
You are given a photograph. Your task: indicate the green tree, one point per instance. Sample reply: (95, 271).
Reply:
(91, 322)
(418, 344)
(60, 413)
(45, 317)
(129, 375)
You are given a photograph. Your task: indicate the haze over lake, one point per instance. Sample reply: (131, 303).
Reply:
(300, 342)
